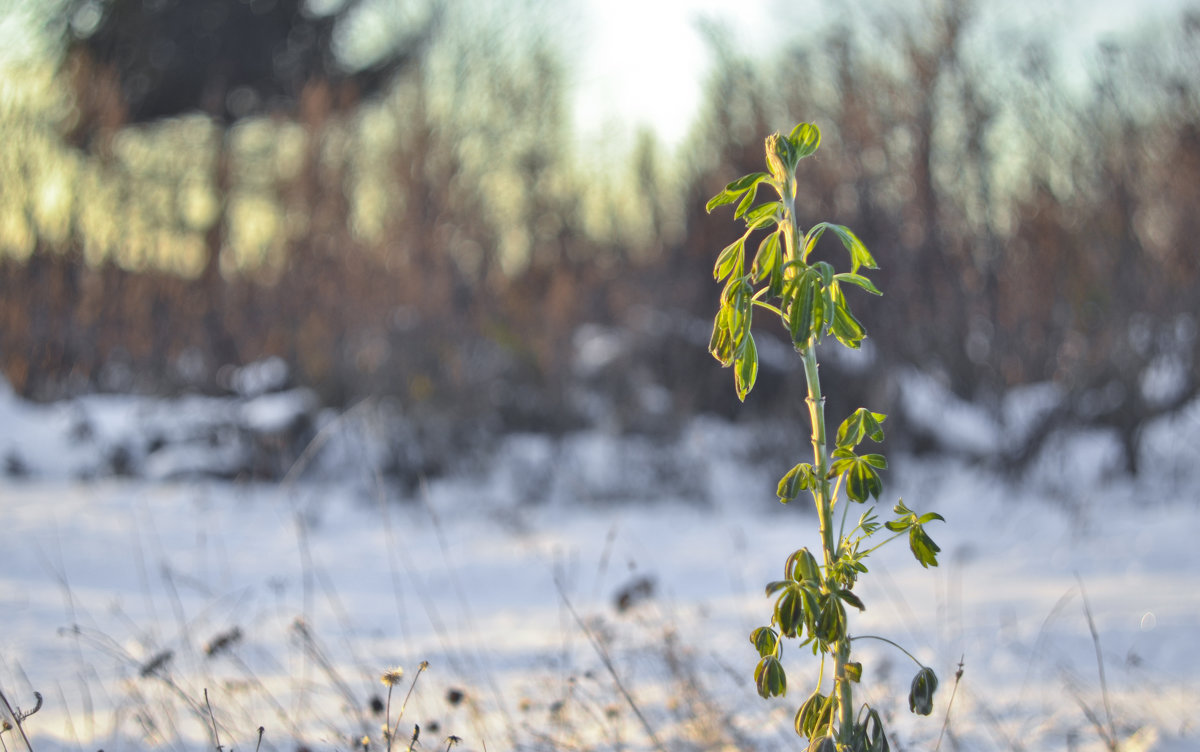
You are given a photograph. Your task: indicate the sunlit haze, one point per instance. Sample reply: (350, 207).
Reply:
(642, 63)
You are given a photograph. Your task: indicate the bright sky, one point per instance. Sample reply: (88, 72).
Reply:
(643, 62)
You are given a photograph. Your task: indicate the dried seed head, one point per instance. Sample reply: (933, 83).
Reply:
(392, 676)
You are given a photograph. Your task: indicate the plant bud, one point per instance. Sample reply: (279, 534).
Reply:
(781, 157)
(920, 697)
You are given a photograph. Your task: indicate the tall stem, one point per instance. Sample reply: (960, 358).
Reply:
(824, 500)
(822, 494)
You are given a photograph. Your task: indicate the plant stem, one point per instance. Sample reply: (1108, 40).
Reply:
(822, 494)
(824, 502)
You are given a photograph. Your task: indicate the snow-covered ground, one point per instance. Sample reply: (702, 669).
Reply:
(125, 600)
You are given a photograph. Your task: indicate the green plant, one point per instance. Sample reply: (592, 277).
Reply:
(809, 298)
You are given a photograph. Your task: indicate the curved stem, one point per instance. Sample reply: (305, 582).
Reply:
(881, 544)
(768, 306)
(898, 647)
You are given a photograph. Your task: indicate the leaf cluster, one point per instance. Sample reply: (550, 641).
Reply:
(919, 541)
(808, 298)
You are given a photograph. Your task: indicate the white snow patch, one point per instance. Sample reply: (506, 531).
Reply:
(262, 376)
(1024, 406)
(955, 424)
(273, 413)
(596, 347)
(99, 578)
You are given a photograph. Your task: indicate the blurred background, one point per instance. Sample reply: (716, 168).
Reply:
(491, 215)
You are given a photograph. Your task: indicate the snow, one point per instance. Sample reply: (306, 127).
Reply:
(329, 584)
(956, 424)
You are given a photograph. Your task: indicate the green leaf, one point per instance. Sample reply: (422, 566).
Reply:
(862, 423)
(734, 190)
(775, 287)
(805, 138)
(814, 715)
(764, 213)
(770, 678)
(812, 609)
(768, 258)
(826, 272)
(789, 611)
(802, 566)
(799, 478)
(859, 255)
(721, 342)
(746, 202)
(862, 479)
(867, 523)
(775, 586)
(923, 546)
(806, 316)
(827, 743)
(765, 641)
(746, 182)
(920, 695)
(831, 621)
(811, 237)
(745, 371)
(851, 598)
(848, 330)
(854, 671)
(733, 289)
(729, 258)
(871, 736)
(859, 280)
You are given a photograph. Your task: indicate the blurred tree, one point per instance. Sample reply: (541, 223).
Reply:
(229, 59)
(139, 61)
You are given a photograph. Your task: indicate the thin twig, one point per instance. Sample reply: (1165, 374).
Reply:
(953, 693)
(608, 664)
(211, 717)
(1111, 736)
